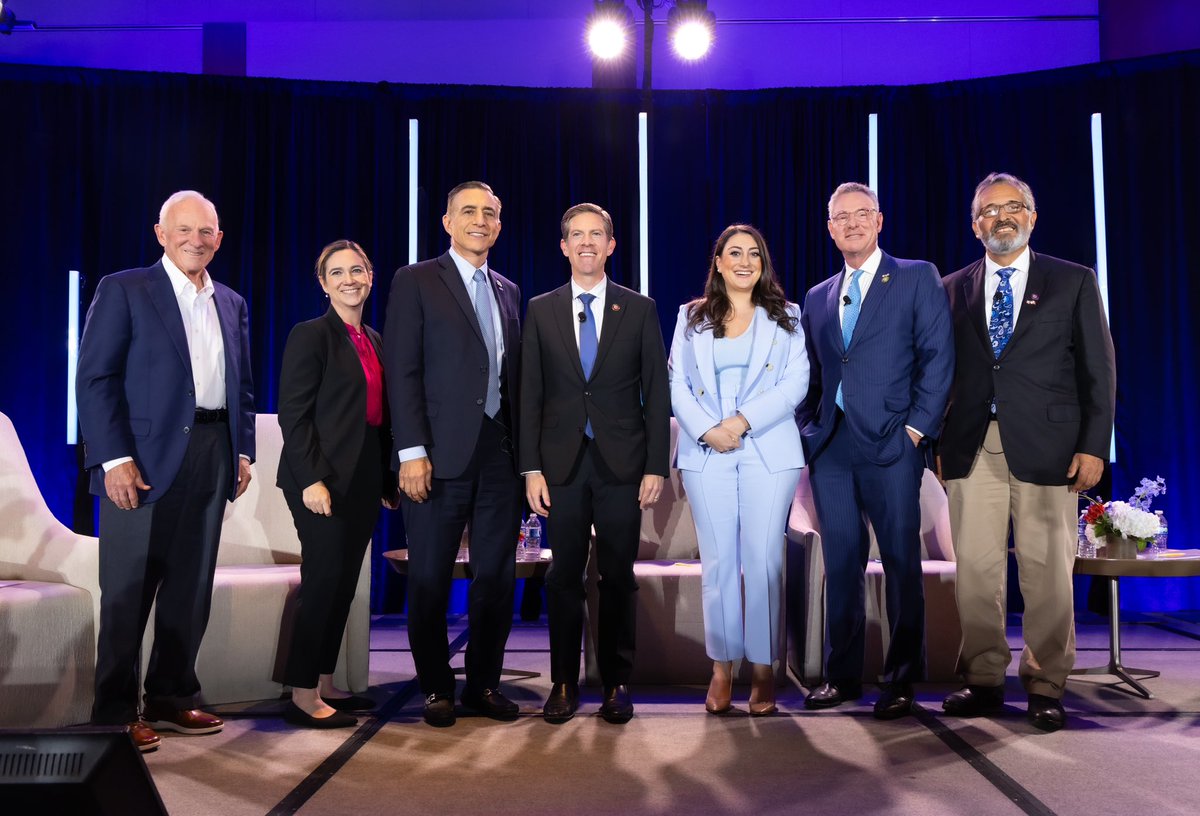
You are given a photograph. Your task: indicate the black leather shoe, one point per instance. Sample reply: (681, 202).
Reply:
(1046, 713)
(617, 708)
(561, 704)
(833, 693)
(351, 703)
(490, 703)
(973, 701)
(439, 710)
(895, 702)
(294, 715)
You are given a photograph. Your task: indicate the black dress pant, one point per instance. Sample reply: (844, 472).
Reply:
(165, 550)
(488, 495)
(332, 548)
(593, 496)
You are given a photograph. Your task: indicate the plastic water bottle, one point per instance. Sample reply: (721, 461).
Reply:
(522, 537)
(533, 538)
(1160, 539)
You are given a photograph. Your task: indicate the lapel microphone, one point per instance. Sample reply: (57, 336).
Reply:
(582, 317)
(846, 301)
(997, 298)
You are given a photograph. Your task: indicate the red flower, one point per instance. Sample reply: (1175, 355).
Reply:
(1094, 513)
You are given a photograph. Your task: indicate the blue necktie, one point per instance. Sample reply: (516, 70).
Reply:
(483, 313)
(587, 345)
(1000, 327)
(849, 319)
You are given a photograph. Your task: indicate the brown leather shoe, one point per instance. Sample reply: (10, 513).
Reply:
(192, 722)
(143, 736)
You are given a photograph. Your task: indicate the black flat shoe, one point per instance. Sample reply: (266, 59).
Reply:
(293, 715)
(1046, 713)
(491, 703)
(895, 702)
(351, 703)
(833, 693)
(617, 707)
(439, 710)
(974, 701)
(561, 704)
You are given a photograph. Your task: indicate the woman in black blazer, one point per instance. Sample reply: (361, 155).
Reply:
(334, 473)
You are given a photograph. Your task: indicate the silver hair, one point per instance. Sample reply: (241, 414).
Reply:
(853, 187)
(184, 195)
(1002, 178)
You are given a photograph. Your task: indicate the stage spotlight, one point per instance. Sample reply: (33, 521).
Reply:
(691, 27)
(7, 18)
(608, 29)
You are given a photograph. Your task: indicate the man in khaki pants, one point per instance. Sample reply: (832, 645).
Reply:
(1028, 427)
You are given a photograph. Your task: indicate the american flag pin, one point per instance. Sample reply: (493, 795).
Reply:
(886, 277)
(616, 307)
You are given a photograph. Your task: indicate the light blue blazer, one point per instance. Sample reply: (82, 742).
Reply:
(775, 383)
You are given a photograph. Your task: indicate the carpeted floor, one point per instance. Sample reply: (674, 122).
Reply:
(1120, 754)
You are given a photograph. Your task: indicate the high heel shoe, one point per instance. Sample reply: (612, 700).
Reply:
(762, 691)
(720, 689)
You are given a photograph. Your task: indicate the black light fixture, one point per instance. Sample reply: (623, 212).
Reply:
(691, 28)
(7, 18)
(609, 37)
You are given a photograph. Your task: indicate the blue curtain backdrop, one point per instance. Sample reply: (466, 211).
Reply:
(89, 155)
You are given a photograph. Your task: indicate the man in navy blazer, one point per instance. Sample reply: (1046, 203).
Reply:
(451, 348)
(1028, 427)
(166, 407)
(882, 355)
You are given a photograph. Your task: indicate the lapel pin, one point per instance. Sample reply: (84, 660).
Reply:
(886, 277)
(1033, 300)
(616, 307)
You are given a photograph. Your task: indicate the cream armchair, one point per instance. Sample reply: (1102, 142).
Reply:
(49, 603)
(806, 590)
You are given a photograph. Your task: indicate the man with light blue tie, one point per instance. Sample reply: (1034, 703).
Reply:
(594, 442)
(881, 350)
(451, 345)
(1028, 427)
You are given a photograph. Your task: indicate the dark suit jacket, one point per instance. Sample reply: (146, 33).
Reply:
(323, 406)
(1054, 384)
(627, 398)
(898, 367)
(437, 365)
(134, 382)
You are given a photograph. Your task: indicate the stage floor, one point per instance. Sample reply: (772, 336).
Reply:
(1119, 753)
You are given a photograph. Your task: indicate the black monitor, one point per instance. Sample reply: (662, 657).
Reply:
(92, 770)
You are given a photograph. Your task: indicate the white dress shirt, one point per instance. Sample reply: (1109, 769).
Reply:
(869, 268)
(1018, 281)
(600, 290)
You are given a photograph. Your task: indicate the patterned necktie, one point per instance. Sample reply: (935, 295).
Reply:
(849, 319)
(1000, 327)
(587, 345)
(483, 313)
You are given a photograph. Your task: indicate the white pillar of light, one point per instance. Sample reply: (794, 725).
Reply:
(1101, 235)
(413, 144)
(873, 152)
(72, 354)
(643, 204)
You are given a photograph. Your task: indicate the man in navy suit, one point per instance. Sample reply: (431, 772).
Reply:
(1028, 428)
(166, 407)
(882, 355)
(451, 348)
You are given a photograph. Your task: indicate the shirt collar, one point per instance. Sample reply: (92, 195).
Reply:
(869, 267)
(598, 290)
(1020, 263)
(180, 282)
(464, 266)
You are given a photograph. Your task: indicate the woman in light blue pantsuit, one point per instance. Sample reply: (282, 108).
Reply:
(738, 370)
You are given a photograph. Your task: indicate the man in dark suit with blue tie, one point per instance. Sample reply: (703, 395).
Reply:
(451, 348)
(166, 407)
(882, 355)
(1028, 427)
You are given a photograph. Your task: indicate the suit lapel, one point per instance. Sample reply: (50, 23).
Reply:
(833, 300)
(562, 310)
(227, 318)
(1035, 289)
(702, 347)
(978, 311)
(760, 347)
(162, 295)
(614, 311)
(448, 272)
(875, 295)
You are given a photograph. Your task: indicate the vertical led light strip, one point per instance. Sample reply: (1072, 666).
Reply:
(72, 353)
(873, 152)
(643, 204)
(1101, 235)
(412, 190)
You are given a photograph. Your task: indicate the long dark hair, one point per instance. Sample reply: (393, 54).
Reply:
(714, 308)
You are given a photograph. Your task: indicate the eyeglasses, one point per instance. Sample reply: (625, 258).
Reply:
(1010, 207)
(858, 217)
